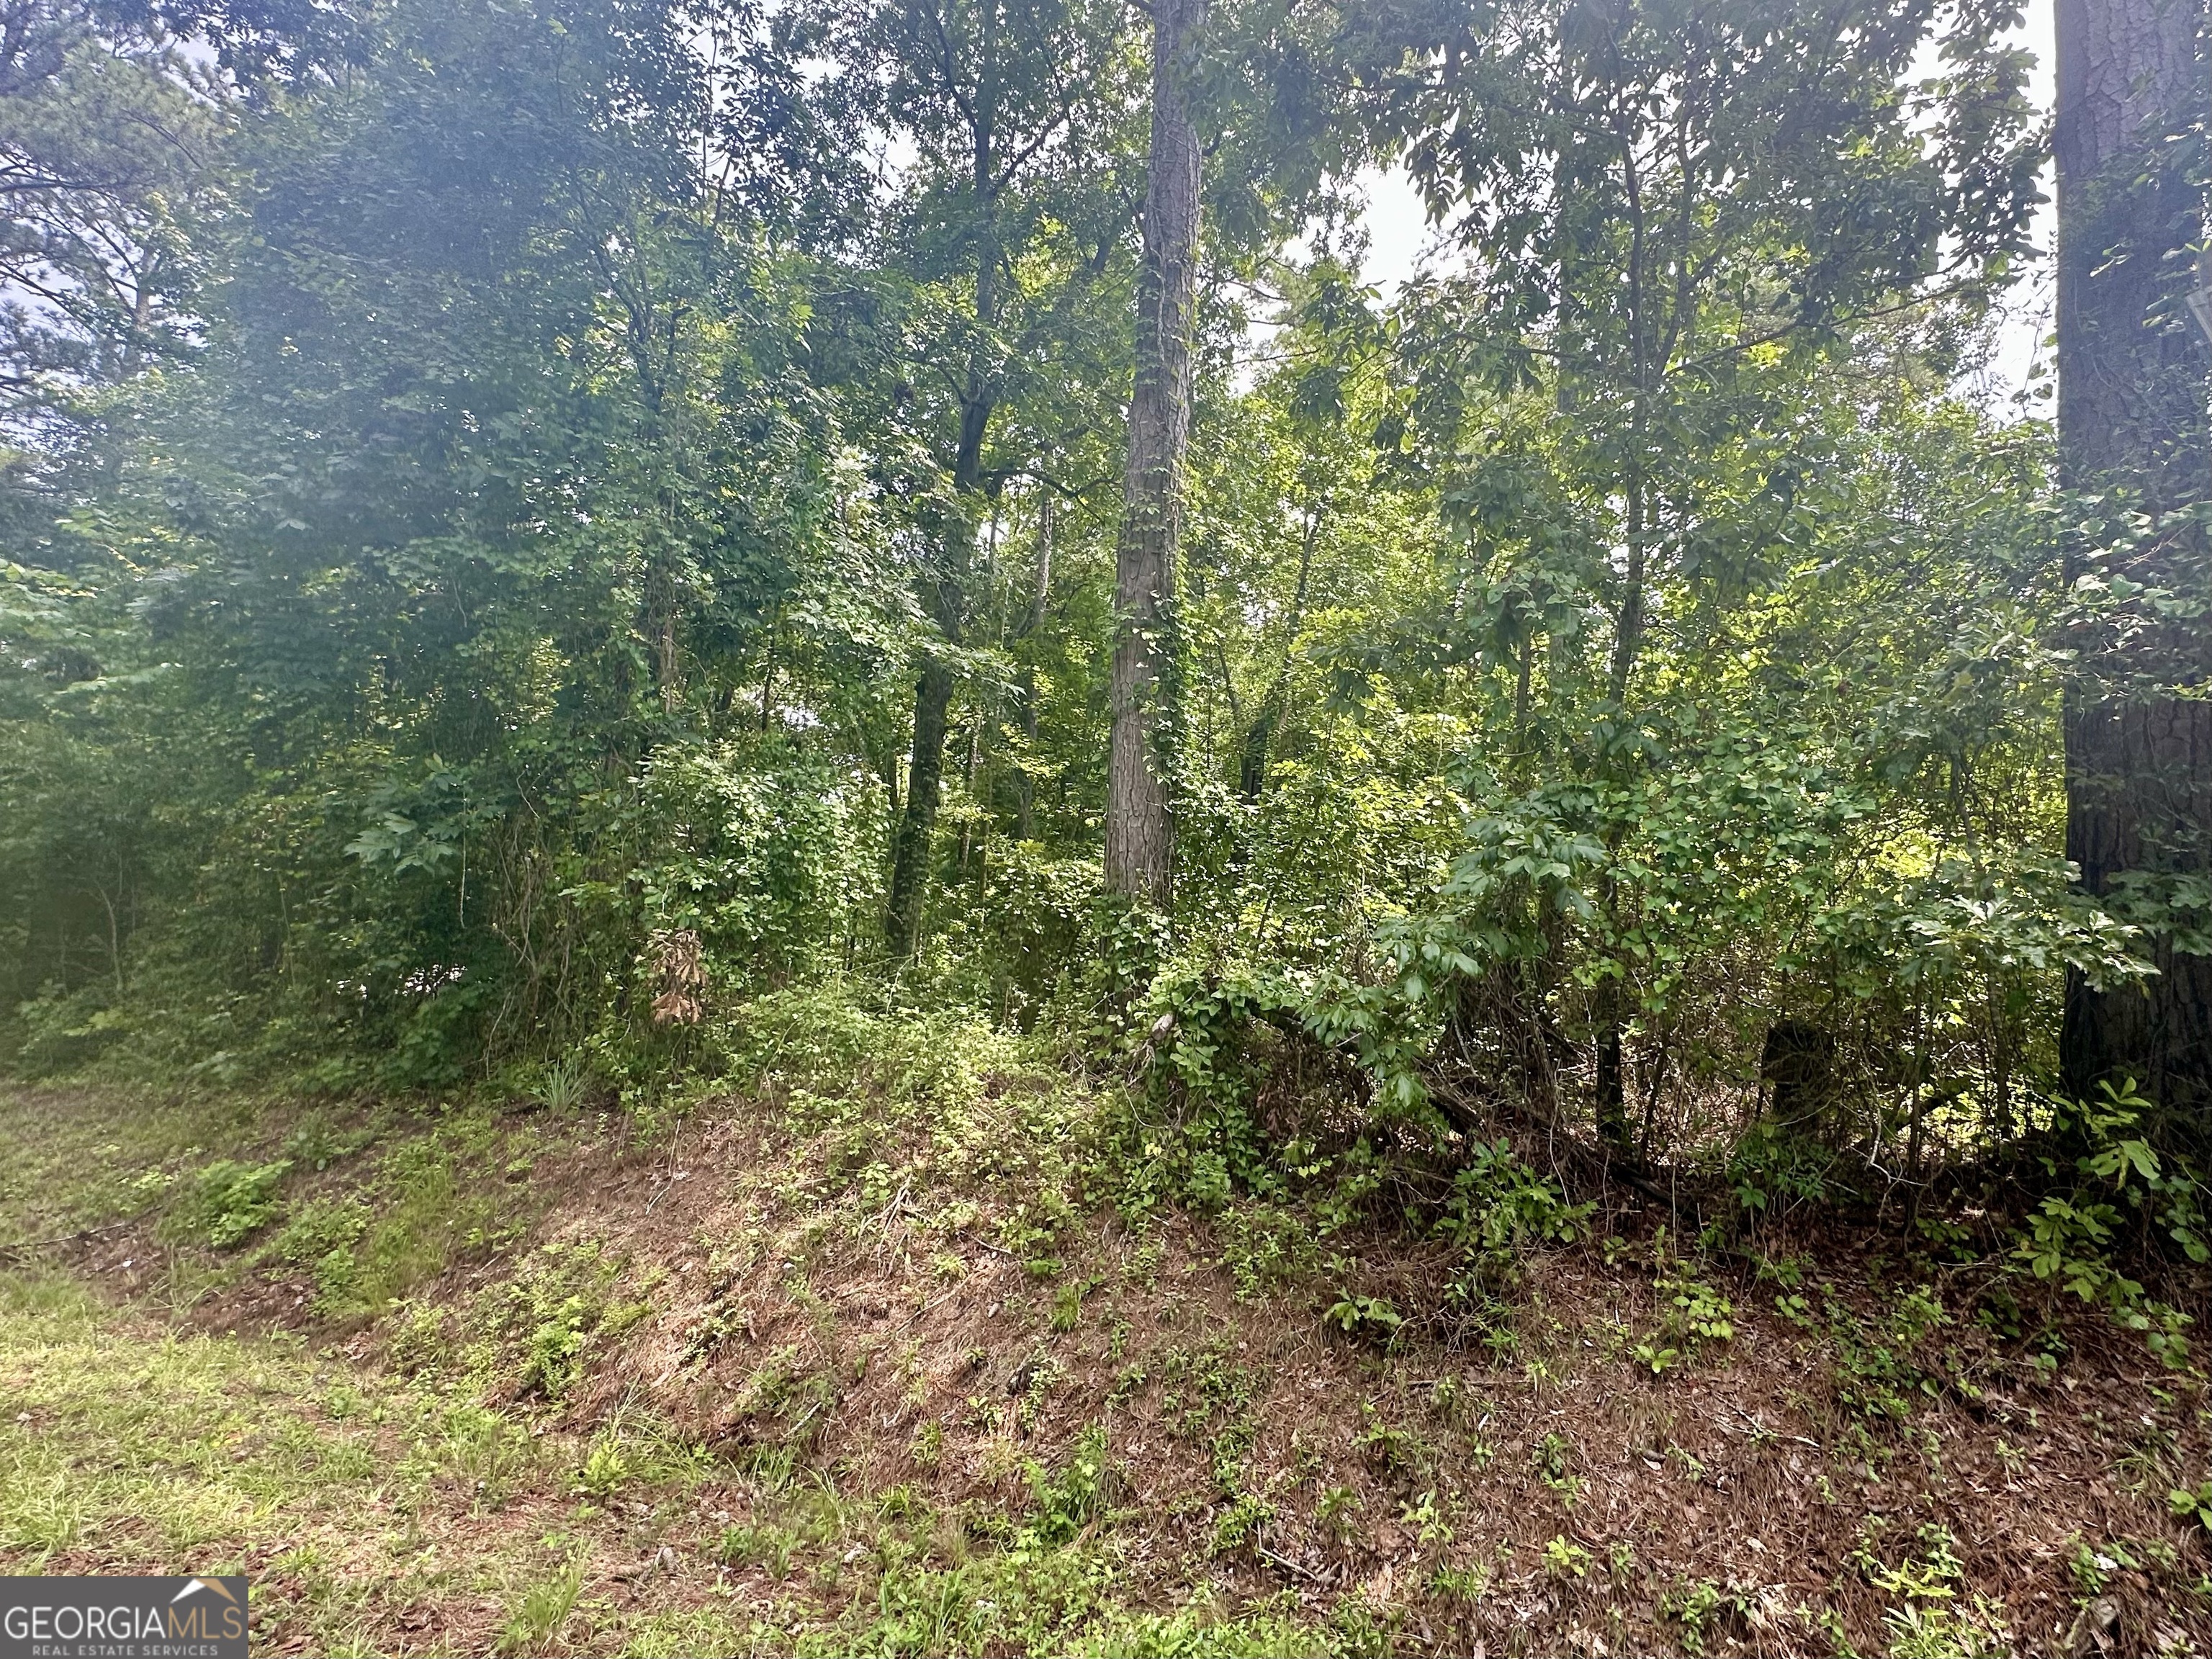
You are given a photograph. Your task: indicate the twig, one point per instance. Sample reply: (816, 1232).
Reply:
(77, 1237)
(930, 1306)
(1289, 1565)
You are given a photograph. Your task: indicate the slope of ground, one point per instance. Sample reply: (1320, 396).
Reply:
(880, 1371)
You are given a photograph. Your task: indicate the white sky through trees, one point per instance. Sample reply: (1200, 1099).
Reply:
(1399, 240)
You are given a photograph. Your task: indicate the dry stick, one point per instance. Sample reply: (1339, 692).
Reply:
(77, 1237)
(930, 1306)
(1289, 1565)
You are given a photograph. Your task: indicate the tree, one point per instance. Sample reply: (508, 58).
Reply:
(1005, 218)
(1672, 209)
(1140, 832)
(112, 177)
(2132, 105)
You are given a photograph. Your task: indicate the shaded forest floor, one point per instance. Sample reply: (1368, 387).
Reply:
(882, 1373)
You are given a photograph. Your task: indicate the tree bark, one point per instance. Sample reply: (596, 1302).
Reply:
(933, 692)
(1025, 681)
(1140, 833)
(1252, 760)
(948, 595)
(1612, 1071)
(2132, 87)
(933, 702)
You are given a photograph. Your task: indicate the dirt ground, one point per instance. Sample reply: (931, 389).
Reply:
(743, 1391)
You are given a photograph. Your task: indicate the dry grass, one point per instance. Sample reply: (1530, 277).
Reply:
(804, 1381)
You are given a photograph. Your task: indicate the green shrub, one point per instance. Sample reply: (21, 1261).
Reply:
(1071, 1496)
(228, 1202)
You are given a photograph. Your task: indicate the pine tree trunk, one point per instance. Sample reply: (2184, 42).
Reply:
(1139, 836)
(2132, 420)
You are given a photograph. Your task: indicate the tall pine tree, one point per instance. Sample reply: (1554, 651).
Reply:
(2133, 100)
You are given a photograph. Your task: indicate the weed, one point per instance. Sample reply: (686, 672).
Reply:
(1067, 1302)
(1499, 1204)
(1243, 1523)
(1265, 1244)
(470, 1447)
(1462, 1584)
(2072, 1238)
(1205, 1397)
(415, 1339)
(1696, 1608)
(1388, 1447)
(1498, 1210)
(1553, 1458)
(317, 1226)
(2192, 1505)
(1696, 1315)
(606, 1466)
(763, 1545)
(927, 1446)
(320, 1234)
(1770, 1164)
(1370, 1317)
(1948, 1632)
(1143, 1267)
(1877, 1375)
(230, 1201)
(1564, 1560)
(535, 1621)
(1931, 1578)
(1070, 1499)
(1425, 1518)
(558, 1307)
(1336, 1509)
(564, 1086)
(314, 1144)
(2147, 1461)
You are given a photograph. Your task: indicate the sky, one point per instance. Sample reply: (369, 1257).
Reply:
(1400, 239)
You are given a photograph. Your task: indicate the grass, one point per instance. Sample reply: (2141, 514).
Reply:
(74, 1161)
(350, 1498)
(129, 1439)
(542, 1610)
(874, 1367)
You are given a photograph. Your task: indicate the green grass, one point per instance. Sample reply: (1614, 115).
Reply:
(133, 1444)
(467, 1455)
(138, 1436)
(76, 1162)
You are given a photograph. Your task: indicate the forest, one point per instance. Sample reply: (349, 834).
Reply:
(1512, 959)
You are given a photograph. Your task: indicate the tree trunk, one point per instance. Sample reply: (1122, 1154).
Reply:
(1252, 762)
(1139, 837)
(933, 694)
(1612, 1073)
(933, 701)
(947, 598)
(1025, 690)
(2132, 421)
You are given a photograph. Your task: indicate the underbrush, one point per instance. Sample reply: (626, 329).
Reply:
(970, 1344)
